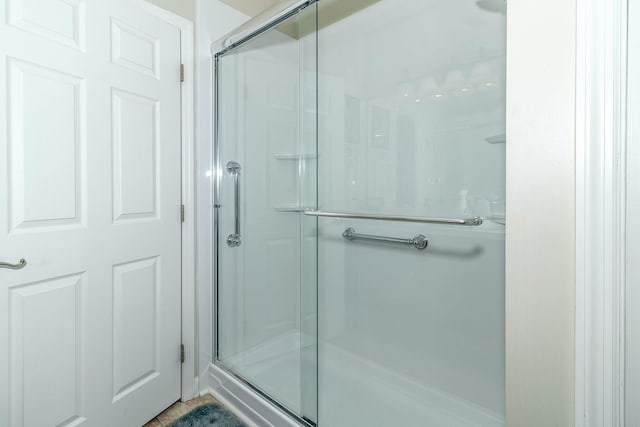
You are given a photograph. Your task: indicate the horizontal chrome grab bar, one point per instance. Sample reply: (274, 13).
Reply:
(419, 242)
(447, 221)
(20, 265)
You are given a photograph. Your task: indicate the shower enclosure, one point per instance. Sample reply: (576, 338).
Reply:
(359, 211)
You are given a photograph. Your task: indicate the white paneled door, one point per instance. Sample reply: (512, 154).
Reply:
(90, 198)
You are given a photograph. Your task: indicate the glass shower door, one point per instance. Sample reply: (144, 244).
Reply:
(360, 212)
(265, 269)
(411, 124)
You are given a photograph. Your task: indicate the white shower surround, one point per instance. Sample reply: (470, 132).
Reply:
(545, 397)
(448, 241)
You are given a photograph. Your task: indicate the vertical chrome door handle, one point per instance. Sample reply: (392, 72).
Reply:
(20, 265)
(234, 240)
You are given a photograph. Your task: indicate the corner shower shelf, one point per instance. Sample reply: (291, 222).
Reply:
(294, 156)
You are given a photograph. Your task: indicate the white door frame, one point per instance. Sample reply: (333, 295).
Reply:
(600, 212)
(189, 310)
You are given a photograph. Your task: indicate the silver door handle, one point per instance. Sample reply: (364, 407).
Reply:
(234, 240)
(20, 265)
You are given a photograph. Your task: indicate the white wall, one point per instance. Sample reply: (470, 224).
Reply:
(213, 20)
(632, 380)
(540, 276)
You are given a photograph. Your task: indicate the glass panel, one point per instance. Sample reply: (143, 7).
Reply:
(266, 284)
(411, 122)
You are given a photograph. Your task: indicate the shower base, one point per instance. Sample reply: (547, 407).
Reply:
(348, 381)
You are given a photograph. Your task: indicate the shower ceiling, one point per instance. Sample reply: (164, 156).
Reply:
(332, 10)
(251, 7)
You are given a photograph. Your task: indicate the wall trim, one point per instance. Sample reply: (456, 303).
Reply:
(189, 386)
(600, 212)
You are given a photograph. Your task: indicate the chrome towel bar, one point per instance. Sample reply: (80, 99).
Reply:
(419, 242)
(445, 221)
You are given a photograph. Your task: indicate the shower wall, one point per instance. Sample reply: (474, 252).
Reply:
(213, 20)
(412, 122)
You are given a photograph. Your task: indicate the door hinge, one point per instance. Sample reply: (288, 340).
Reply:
(181, 213)
(181, 353)
(181, 73)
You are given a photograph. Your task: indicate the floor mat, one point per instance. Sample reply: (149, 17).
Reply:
(208, 415)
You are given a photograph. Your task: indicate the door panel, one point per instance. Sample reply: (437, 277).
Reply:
(134, 122)
(90, 198)
(264, 302)
(412, 123)
(44, 193)
(46, 315)
(135, 321)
